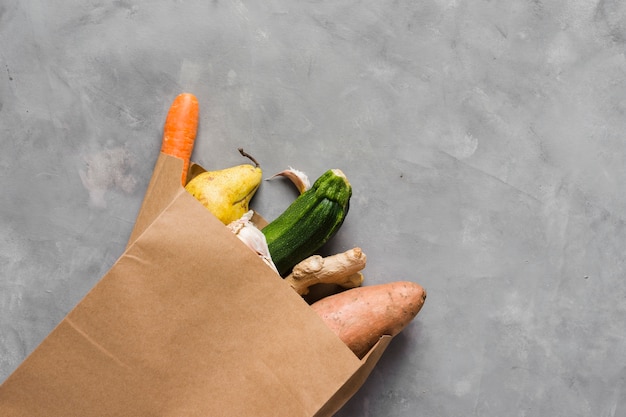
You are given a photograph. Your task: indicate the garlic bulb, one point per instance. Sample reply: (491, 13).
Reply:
(249, 234)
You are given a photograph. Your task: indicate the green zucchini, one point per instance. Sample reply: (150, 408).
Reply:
(309, 222)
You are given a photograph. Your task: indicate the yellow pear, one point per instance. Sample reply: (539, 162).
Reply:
(227, 192)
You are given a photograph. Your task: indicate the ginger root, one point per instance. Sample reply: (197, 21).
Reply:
(342, 269)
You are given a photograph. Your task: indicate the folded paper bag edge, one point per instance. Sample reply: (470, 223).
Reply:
(163, 187)
(358, 378)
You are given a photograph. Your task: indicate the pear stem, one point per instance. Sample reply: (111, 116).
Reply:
(250, 157)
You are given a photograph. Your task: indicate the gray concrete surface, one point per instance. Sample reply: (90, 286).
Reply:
(484, 140)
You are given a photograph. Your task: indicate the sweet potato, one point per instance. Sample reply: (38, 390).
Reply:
(361, 316)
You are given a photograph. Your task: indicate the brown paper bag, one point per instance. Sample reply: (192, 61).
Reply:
(187, 322)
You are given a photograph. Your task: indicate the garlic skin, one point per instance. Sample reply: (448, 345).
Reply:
(298, 178)
(249, 234)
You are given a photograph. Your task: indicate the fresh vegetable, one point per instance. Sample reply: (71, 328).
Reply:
(342, 269)
(310, 221)
(361, 316)
(249, 234)
(227, 192)
(179, 132)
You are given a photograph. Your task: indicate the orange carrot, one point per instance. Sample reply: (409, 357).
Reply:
(179, 132)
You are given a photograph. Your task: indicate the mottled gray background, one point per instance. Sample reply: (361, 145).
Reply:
(484, 141)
